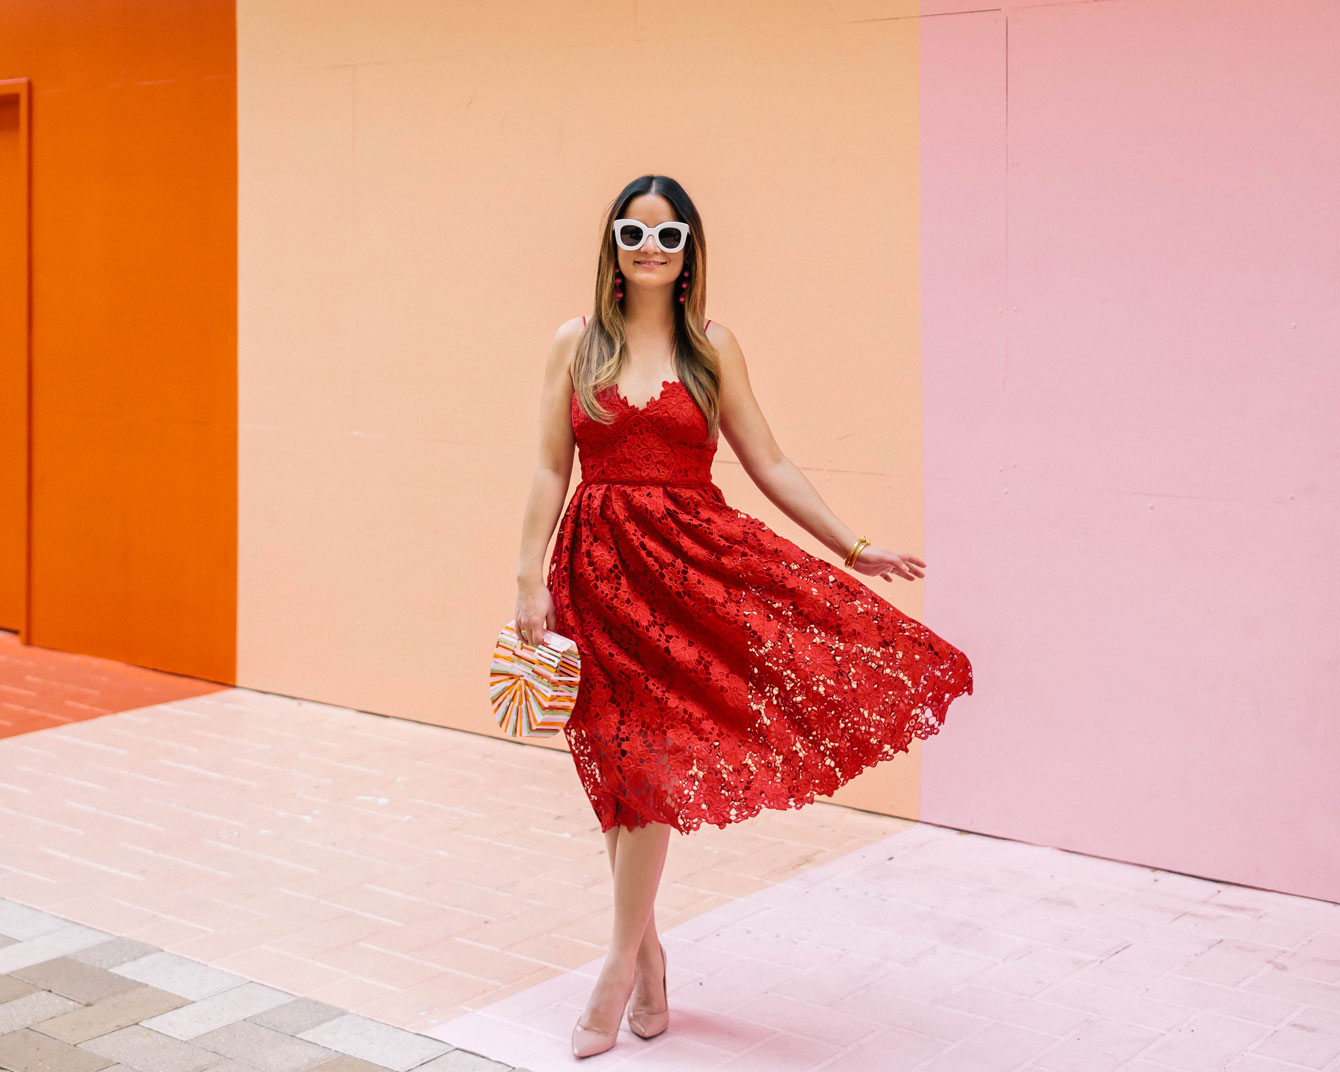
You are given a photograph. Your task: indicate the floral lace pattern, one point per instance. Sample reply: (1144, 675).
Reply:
(725, 669)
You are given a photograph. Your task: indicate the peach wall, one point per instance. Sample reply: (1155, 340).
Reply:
(1130, 322)
(133, 345)
(421, 191)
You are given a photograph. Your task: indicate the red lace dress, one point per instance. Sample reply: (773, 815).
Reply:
(724, 668)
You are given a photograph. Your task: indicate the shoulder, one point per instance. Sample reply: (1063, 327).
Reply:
(566, 337)
(717, 333)
(570, 330)
(564, 348)
(728, 349)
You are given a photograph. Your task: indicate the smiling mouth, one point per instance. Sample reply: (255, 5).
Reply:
(650, 264)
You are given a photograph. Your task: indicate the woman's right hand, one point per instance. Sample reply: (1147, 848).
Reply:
(534, 612)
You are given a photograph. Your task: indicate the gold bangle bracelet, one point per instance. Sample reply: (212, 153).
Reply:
(859, 546)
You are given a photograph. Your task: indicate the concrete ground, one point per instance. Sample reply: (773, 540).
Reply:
(206, 879)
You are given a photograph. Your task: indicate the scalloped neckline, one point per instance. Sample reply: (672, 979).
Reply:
(665, 385)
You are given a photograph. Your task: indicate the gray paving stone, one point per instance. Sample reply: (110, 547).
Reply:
(110, 1014)
(28, 1051)
(345, 1063)
(148, 1051)
(19, 922)
(31, 1009)
(179, 975)
(93, 1010)
(218, 1010)
(49, 944)
(264, 1049)
(462, 1061)
(359, 1036)
(232, 1066)
(11, 988)
(114, 953)
(72, 979)
(296, 1016)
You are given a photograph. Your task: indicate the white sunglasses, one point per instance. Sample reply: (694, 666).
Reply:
(670, 236)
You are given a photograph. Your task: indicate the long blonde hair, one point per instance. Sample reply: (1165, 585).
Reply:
(602, 350)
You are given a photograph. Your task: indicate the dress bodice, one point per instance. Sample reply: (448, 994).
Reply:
(663, 442)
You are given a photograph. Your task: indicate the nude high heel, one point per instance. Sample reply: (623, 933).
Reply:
(647, 1023)
(587, 1041)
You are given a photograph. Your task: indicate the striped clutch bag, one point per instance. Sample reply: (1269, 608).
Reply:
(533, 687)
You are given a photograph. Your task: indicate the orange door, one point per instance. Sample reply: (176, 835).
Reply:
(14, 336)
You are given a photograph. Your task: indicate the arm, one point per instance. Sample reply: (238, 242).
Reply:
(553, 473)
(779, 478)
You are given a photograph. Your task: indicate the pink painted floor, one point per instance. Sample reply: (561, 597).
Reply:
(455, 886)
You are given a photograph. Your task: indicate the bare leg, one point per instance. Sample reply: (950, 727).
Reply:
(638, 861)
(647, 992)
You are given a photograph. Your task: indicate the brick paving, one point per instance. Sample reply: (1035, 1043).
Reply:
(941, 951)
(115, 1004)
(41, 687)
(223, 880)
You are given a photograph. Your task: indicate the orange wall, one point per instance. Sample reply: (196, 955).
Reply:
(134, 339)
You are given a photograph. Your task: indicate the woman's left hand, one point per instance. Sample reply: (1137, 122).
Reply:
(880, 562)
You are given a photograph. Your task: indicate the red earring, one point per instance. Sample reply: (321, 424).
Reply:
(684, 286)
(618, 286)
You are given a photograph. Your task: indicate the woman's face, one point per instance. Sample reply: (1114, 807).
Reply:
(650, 266)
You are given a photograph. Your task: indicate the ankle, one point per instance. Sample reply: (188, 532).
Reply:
(617, 968)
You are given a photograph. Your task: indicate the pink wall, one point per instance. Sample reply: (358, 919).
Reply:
(1130, 317)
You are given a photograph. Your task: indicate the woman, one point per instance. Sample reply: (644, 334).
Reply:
(724, 668)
